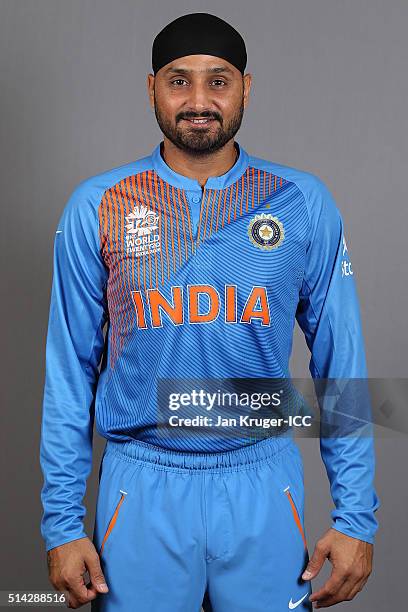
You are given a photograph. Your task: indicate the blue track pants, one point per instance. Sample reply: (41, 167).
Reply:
(176, 529)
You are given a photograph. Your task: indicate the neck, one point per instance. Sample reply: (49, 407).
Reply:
(199, 167)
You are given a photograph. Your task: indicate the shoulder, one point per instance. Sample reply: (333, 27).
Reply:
(89, 192)
(81, 210)
(316, 194)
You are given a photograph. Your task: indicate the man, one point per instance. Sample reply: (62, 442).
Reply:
(200, 257)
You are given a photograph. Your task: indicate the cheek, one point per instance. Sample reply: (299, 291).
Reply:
(168, 101)
(229, 111)
(167, 113)
(229, 103)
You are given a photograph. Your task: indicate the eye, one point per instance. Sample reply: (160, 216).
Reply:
(219, 82)
(178, 81)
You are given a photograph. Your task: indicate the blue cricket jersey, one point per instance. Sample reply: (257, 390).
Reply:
(193, 282)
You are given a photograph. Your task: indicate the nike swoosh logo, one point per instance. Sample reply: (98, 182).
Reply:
(58, 231)
(293, 605)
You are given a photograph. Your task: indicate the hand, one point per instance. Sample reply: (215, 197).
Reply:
(67, 565)
(352, 564)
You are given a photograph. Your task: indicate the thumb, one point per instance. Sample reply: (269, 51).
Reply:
(96, 575)
(315, 564)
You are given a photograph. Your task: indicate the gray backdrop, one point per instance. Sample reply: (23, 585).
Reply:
(329, 96)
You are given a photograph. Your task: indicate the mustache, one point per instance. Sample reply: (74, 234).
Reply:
(205, 114)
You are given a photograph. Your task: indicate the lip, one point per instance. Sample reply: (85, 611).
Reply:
(208, 121)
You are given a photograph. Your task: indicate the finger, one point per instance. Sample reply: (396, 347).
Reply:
(346, 592)
(70, 601)
(357, 588)
(316, 561)
(78, 593)
(343, 594)
(95, 573)
(66, 595)
(91, 592)
(331, 586)
(73, 595)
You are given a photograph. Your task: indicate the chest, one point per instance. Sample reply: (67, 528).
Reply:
(229, 247)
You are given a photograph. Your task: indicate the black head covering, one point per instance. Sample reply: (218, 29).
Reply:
(198, 33)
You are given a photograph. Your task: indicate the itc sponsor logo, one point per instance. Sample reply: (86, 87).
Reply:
(346, 269)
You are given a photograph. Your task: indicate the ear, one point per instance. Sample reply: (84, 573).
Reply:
(247, 79)
(150, 88)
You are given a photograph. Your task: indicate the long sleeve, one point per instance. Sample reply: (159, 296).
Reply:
(74, 347)
(328, 313)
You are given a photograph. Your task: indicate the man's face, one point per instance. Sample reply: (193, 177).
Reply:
(204, 88)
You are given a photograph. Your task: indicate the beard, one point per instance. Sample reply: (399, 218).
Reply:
(200, 142)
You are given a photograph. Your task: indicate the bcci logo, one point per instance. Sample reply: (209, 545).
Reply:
(142, 231)
(266, 232)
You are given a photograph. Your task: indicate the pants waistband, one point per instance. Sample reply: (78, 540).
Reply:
(136, 450)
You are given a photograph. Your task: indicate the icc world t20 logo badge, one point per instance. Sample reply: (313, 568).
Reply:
(266, 232)
(142, 231)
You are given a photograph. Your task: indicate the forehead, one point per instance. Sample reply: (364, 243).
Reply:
(199, 64)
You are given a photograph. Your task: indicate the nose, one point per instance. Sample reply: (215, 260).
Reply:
(198, 98)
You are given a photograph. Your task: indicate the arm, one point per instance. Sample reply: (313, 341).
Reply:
(328, 313)
(74, 347)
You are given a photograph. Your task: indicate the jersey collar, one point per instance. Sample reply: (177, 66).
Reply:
(187, 183)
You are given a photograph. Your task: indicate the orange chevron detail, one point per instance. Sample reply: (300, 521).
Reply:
(296, 516)
(112, 523)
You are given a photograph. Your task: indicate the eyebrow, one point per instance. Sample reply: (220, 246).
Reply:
(213, 70)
